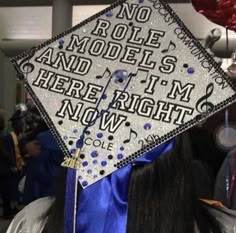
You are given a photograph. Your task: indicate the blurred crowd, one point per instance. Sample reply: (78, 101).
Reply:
(29, 159)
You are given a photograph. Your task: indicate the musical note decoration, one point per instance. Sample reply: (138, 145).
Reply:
(203, 106)
(106, 74)
(171, 47)
(132, 132)
(127, 79)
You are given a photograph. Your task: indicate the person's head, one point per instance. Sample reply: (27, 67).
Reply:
(18, 118)
(34, 119)
(17, 125)
(161, 191)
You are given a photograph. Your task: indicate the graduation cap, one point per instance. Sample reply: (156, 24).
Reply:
(20, 111)
(121, 83)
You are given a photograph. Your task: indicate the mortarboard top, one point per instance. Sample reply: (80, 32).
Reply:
(127, 79)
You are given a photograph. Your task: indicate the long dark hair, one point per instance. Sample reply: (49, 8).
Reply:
(162, 199)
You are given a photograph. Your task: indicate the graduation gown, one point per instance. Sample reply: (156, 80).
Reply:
(42, 171)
